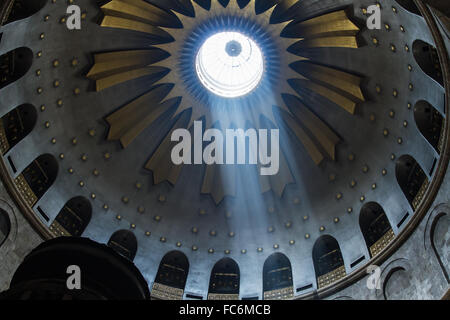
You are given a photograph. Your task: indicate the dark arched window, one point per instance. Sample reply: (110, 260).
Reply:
(428, 59)
(409, 5)
(277, 278)
(224, 281)
(376, 228)
(328, 261)
(14, 64)
(5, 226)
(22, 9)
(37, 178)
(171, 277)
(16, 125)
(73, 218)
(125, 243)
(412, 179)
(398, 284)
(430, 123)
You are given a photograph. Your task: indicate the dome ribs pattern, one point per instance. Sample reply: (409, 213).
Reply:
(342, 88)
(291, 75)
(113, 68)
(330, 30)
(321, 132)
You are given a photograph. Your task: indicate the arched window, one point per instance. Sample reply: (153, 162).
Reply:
(277, 278)
(409, 5)
(224, 281)
(125, 243)
(37, 178)
(328, 261)
(5, 226)
(14, 64)
(376, 228)
(427, 58)
(430, 123)
(16, 125)
(171, 277)
(411, 179)
(22, 9)
(73, 218)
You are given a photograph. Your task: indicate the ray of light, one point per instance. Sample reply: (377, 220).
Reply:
(297, 75)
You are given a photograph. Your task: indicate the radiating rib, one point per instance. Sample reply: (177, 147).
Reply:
(128, 122)
(264, 5)
(331, 78)
(161, 163)
(334, 95)
(330, 30)
(282, 9)
(325, 42)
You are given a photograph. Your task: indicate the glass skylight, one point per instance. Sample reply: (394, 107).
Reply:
(230, 64)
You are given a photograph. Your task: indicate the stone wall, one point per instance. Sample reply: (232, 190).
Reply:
(420, 268)
(20, 241)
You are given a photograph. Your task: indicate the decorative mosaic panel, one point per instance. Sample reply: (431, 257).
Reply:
(331, 277)
(58, 230)
(418, 199)
(279, 294)
(382, 243)
(163, 292)
(218, 296)
(25, 190)
(4, 145)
